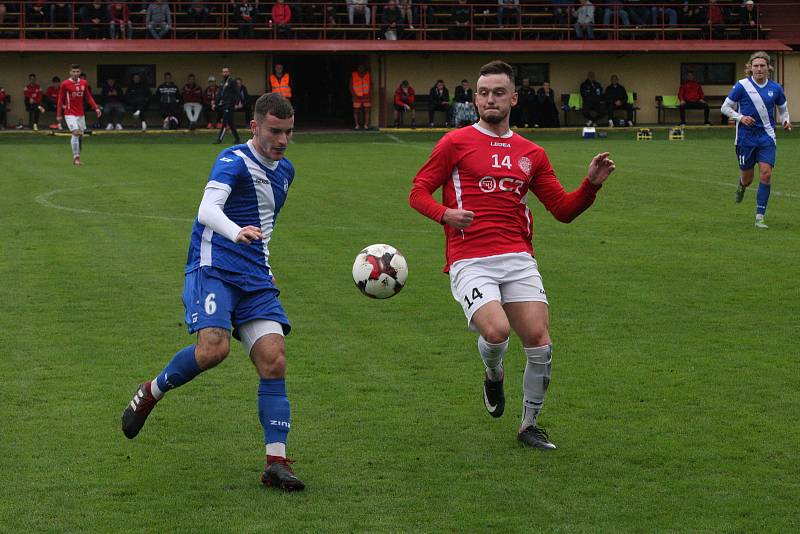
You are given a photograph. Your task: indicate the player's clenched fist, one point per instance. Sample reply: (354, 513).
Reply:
(248, 234)
(600, 167)
(458, 218)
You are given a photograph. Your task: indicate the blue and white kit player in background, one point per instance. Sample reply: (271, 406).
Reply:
(756, 97)
(229, 284)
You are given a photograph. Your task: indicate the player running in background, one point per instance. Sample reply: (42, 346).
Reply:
(485, 172)
(751, 103)
(229, 284)
(71, 95)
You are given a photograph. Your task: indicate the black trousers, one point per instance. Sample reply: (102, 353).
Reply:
(227, 120)
(694, 105)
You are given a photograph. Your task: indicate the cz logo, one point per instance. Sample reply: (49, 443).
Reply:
(226, 160)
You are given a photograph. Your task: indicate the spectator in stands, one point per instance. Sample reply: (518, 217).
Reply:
(192, 97)
(560, 11)
(33, 101)
(391, 21)
(749, 20)
(36, 14)
(94, 21)
(694, 12)
(242, 100)
(210, 104)
(244, 15)
(438, 100)
(716, 20)
(120, 25)
(361, 91)
(690, 96)
(459, 21)
(584, 20)
(464, 112)
(640, 15)
(198, 12)
(360, 8)
(507, 12)
(137, 97)
(548, 112)
(3, 11)
(667, 14)
(407, 12)
(522, 114)
(280, 82)
(169, 99)
(616, 97)
(282, 18)
(111, 99)
(4, 98)
(592, 95)
(158, 19)
(404, 98)
(61, 14)
(613, 13)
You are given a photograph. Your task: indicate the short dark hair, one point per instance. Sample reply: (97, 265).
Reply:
(31, 75)
(55, 79)
(497, 67)
(74, 66)
(272, 104)
(168, 73)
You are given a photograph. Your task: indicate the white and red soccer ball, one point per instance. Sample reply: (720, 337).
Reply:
(380, 271)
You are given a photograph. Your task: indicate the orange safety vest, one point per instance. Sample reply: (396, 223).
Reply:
(281, 87)
(360, 85)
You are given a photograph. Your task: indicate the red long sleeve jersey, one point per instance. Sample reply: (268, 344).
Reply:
(491, 176)
(71, 95)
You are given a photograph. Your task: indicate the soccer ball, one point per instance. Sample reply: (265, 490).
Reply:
(380, 271)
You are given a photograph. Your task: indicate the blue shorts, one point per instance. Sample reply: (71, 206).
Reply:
(748, 156)
(212, 302)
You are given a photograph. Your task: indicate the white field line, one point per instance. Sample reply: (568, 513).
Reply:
(45, 200)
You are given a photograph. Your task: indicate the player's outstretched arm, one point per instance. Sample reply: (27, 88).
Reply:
(600, 168)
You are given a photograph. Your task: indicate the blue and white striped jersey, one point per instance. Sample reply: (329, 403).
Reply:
(757, 102)
(258, 189)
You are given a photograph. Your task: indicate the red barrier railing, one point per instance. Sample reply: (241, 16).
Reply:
(342, 20)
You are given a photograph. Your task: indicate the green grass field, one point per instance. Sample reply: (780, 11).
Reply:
(674, 398)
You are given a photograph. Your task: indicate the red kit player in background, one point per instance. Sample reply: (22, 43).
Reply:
(485, 172)
(71, 95)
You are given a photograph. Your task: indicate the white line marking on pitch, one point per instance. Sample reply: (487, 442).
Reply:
(44, 200)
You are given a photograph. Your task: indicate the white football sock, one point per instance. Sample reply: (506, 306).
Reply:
(492, 356)
(154, 390)
(535, 382)
(75, 143)
(276, 449)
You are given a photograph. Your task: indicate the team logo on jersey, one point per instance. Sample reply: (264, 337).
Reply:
(285, 186)
(525, 164)
(487, 184)
(769, 93)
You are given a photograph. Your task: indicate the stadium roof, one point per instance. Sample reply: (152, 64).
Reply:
(269, 45)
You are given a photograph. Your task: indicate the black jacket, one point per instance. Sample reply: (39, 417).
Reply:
(617, 92)
(137, 94)
(228, 93)
(591, 90)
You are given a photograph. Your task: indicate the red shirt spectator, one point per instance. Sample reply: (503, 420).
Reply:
(33, 93)
(404, 98)
(691, 90)
(192, 94)
(715, 14)
(119, 13)
(210, 95)
(281, 14)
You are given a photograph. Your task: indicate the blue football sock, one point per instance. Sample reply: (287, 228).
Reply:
(273, 410)
(762, 197)
(180, 370)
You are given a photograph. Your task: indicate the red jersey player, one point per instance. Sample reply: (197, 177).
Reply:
(71, 95)
(485, 172)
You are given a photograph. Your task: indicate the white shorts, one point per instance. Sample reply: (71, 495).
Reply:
(75, 122)
(505, 278)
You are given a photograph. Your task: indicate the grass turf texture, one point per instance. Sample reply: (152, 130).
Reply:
(674, 399)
